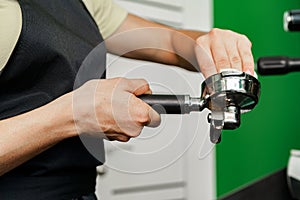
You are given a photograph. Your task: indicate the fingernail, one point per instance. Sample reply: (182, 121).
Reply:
(155, 119)
(255, 74)
(228, 69)
(251, 73)
(148, 92)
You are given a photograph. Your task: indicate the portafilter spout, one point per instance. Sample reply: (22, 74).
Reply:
(227, 95)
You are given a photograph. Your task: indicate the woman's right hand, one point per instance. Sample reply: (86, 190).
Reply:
(107, 108)
(110, 108)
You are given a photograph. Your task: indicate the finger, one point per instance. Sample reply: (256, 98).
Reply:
(246, 55)
(138, 87)
(144, 114)
(219, 54)
(118, 137)
(123, 138)
(205, 61)
(233, 54)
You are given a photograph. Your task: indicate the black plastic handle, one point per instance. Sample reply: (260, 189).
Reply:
(165, 104)
(277, 65)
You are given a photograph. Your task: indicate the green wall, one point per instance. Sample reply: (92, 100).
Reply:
(261, 145)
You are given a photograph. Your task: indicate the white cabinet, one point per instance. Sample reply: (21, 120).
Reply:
(162, 163)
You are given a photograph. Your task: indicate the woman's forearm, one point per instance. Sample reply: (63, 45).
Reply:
(142, 39)
(24, 136)
(213, 51)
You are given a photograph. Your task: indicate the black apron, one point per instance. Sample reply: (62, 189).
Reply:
(56, 37)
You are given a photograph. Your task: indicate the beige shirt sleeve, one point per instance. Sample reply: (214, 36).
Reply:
(106, 14)
(10, 29)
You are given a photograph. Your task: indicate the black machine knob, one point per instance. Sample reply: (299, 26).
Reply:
(277, 65)
(292, 20)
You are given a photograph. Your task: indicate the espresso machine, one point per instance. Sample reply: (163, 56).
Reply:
(278, 65)
(273, 65)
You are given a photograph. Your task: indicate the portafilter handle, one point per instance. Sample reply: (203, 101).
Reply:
(173, 104)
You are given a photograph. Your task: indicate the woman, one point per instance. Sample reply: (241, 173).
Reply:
(45, 106)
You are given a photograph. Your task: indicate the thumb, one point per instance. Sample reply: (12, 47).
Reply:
(138, 87)
(155, 119)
